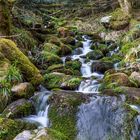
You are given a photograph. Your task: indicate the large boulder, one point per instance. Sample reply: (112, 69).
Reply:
(119, 78)
(10, 50)
(64, 107)
(22, 90)
(18, 109)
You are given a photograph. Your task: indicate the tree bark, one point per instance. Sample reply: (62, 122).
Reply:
(126, 6)
(4, 18)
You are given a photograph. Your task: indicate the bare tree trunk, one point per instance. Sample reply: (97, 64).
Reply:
(126, 6)
(4, 18)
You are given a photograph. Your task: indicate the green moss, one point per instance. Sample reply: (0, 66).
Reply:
(129, 120)
(51, 48)
(25, 39)
(54, 68)
(62, 113)
(10, 128)
(12, 53)
(73, 65)
(50, 58)
(53, 80)
(18, 109)
(119, 20)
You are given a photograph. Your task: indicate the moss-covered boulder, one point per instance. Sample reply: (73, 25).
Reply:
(10, 128)
(47, 59)
(62, 112)
(74, 65)
(95, 55)
(18, 109)
(22, 90)
(9, 49)
(51, 48)
(65, 50)
(119, 78)
(60, 80)
(119, 20)
(71, 84)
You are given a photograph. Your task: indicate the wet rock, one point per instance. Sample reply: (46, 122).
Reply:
(78, 51)
(101, 67)
(135, 76)
(18, 109)
(22, 90)
(95, 55)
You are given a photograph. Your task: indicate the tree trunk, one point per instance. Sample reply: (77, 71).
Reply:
(4, 18)
(126, 6)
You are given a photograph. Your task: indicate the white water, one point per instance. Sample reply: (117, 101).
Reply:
(42, 107)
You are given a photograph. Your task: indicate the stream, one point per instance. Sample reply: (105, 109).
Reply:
(100, 119)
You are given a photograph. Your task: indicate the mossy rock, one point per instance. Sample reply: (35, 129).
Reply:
(102, 66)
(73, 65)
(56, 80)
(65, 50)
(51, 48)
(18, 109)
(120, 79)
(102, 47)
(62, 112)
(68, 40)
(9, 49)
(119, 20)
(22, 90)
(47, 59)
(10, 128)
(72, 84)
(95, 55)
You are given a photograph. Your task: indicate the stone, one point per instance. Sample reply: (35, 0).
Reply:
(135, 76)
(18, 109)
(23, 90)
(101, 67)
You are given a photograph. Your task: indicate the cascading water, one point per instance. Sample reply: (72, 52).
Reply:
(42, 107)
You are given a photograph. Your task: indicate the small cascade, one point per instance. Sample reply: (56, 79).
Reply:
(89, 86)
(101, 118)
(42, 107)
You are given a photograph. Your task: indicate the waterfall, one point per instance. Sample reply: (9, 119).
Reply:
(41, 105)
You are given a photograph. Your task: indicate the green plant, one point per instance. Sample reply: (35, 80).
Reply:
(14, 75)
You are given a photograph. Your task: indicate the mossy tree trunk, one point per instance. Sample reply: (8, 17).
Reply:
(126, 6)
(4, 18)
